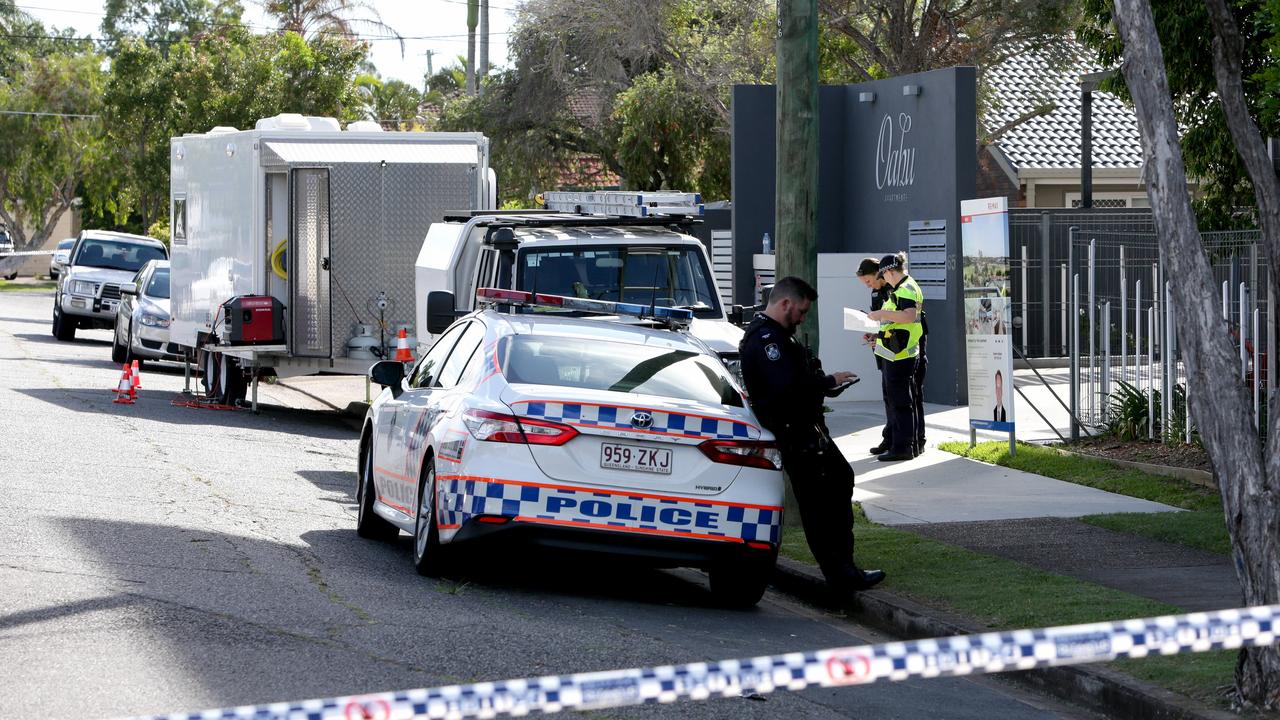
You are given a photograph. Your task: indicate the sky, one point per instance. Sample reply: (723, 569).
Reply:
(441, 25)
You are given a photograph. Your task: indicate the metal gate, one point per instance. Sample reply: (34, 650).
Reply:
(310, 326)
(1124, 340)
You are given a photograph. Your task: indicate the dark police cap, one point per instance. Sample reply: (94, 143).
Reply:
(890, 262)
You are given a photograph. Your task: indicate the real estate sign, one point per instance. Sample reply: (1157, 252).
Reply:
(984, 231)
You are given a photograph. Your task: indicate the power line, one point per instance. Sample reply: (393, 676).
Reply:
(491, 7)
(457, 37)
(47, 114)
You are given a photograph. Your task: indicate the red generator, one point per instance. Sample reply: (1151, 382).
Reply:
(253, 320)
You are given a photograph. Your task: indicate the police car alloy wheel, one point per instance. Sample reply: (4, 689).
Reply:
(368, 524)
(426, 537)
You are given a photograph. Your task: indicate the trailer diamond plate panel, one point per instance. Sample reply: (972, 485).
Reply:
(380, 217)
(310, 252)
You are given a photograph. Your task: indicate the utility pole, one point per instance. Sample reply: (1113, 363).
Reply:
(484, 45)
(430, 70)
(473, 19)
(796, 204)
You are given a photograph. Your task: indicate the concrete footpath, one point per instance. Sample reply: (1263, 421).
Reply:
(985, 508)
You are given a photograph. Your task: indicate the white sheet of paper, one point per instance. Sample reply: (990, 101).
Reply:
(857, 321)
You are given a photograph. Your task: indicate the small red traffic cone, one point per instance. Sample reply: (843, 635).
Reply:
(402, 348)
(124, 388)
(137, 377)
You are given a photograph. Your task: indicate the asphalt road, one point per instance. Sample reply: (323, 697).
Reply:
(156, 558)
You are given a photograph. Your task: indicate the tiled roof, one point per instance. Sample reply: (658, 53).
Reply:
(1027, 80)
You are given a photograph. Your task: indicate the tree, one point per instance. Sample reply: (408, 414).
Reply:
(572, 59)
(1185, 31)
(394, 104)
(164, 22)
(1251, 490)
(45, 156)
(138, 109)
(343, 18)
(882, 38)
(663, 133)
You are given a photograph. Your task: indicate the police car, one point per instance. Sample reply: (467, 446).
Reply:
(552, 431)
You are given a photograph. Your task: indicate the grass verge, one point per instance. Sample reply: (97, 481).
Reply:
(1093, 473)
(39, 286)
(1003, 594)
(1202, 526)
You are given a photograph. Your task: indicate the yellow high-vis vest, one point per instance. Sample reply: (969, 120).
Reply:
(899, 341)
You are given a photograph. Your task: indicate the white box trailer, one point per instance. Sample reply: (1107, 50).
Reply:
(328, 222)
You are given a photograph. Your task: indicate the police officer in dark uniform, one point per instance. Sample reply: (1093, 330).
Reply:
(869, 274)
(786, 387)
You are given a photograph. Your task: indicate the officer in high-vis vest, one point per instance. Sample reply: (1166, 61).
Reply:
(898, 345)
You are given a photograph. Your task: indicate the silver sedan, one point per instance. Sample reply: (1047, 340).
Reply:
(60, 256)
(142, 322)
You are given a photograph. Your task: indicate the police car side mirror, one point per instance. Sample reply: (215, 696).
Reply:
(388, 373)
(441, 311)
(129, 289)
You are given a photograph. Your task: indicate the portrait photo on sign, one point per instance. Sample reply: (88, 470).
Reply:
(986, 315)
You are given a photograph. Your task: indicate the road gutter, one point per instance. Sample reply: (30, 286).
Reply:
(1096, 687)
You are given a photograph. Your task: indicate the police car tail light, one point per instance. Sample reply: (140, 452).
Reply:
(748, 453)
(499, 427)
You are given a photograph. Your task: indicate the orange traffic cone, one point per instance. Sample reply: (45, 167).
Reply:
(124, 388)
(137, 378)
(402, 348)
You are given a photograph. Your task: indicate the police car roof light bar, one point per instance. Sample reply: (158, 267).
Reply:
(674, 316)
(626, 204)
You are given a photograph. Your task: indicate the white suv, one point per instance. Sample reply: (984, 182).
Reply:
(89, 287)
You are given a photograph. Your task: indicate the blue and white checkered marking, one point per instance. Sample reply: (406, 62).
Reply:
(941, 657)
(612, 417)
(462, 497)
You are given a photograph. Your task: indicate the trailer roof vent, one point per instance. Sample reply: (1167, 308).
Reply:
(324, 124)
(283, 121)
(364, 126)
(222, 130)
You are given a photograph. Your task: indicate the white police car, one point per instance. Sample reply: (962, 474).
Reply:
(574, 433)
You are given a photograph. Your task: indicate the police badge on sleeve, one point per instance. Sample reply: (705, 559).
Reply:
(772, 352)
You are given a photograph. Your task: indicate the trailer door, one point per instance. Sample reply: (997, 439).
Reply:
(309, 326)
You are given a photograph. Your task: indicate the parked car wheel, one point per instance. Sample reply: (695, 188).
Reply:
(739, 584)
(119, 353)
(64, 328)
(129, 357)
(368, 524)
(426, 536)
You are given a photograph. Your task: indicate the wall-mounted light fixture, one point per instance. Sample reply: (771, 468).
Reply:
(231, 149)
(911, 89)
(866, 97)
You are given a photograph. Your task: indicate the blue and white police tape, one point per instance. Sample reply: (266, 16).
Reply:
(960, 655)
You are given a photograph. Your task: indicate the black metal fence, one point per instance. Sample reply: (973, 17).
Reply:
(1040, 256)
